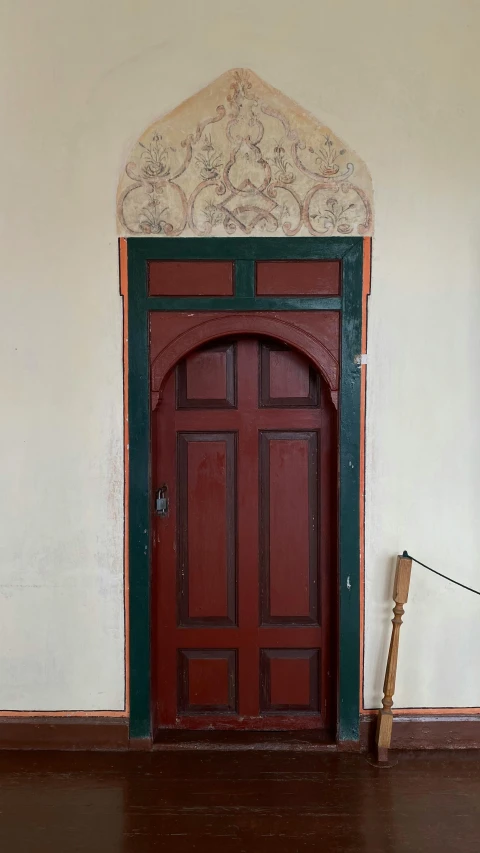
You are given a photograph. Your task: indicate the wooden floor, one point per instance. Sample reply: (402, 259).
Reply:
(238, 801)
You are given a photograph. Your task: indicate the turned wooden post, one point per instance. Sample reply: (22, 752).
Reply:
(385, 716)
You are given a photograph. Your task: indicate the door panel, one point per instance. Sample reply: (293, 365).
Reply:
(289, 680)
(243, 439)
(207, 681)
(299, 278)
(206, 379)
(288, 527)
(184, 278)
(206, 546)
(286, 379)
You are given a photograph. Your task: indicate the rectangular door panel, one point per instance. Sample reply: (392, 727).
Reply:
(187, 278)
(206, 379)
(286, 379)
(289, 681)
(298, 278)
(207, 681)
(206, 547)
(289, 528)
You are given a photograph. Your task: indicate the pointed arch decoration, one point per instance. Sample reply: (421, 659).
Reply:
(238, 159)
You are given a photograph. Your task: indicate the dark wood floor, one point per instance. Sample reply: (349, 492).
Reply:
(234, 802)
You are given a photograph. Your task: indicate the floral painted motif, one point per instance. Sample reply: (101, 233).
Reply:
(255, 163)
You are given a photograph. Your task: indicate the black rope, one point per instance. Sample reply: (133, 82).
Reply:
(469, 588)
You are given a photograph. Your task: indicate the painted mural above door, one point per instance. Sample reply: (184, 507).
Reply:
(240, 158)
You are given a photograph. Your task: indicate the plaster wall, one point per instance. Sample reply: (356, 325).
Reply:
(79, 82)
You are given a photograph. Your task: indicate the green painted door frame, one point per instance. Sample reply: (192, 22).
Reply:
(244, 252)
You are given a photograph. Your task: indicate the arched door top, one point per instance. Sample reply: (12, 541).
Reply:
(242, 324)
(240, 158)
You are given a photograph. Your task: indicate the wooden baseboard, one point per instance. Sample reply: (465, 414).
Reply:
(348, 746)
(111, 733)
(89, 733)
(417, 732)
(140, 744)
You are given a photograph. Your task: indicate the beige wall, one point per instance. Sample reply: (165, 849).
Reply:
(399, 82)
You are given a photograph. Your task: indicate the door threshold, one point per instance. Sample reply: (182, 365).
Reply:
(309, 741)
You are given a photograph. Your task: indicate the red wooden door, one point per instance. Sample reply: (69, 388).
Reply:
(244, 449)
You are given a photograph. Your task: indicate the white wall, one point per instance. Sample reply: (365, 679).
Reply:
(398, 81)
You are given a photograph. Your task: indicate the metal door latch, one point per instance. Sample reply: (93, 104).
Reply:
(161, 502)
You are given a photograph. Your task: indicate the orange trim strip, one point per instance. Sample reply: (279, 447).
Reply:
(367, 251)
(123, 258)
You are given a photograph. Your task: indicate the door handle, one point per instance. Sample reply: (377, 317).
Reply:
(161, 502)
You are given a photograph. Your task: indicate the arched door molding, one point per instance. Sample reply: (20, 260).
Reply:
(246, 324)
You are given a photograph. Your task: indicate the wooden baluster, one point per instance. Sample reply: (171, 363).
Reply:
(385, 716)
